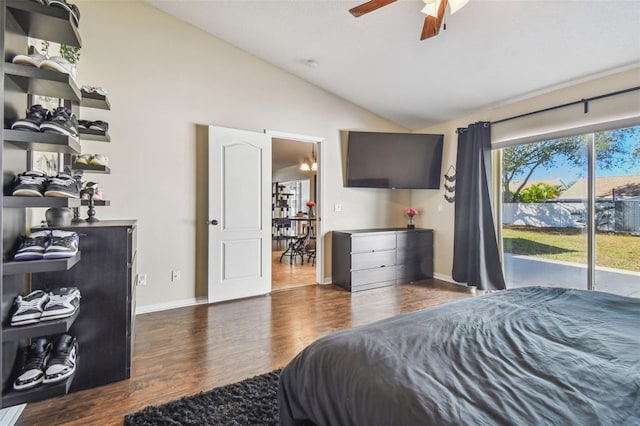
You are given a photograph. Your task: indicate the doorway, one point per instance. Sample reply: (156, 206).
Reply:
(296, 246)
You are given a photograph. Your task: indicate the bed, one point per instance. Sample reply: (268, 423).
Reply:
(522, 356)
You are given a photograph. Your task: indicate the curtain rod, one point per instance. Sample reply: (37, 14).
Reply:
(585, 102)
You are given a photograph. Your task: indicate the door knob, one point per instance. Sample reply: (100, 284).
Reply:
(214, 222)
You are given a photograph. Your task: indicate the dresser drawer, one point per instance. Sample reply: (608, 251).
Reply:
(412, 255)
(364, 243)
(366, 276)
(374, 259)
(408, 240)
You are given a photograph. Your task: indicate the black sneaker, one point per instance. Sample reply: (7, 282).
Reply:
(35, 116)
(100, 125)
(85, 123)
(63, 302)
(62, 363)
(62, 121)
(35, 358)
(30, 184)
(33, 246)
(64, 244)
(63, 186)
(30, 308)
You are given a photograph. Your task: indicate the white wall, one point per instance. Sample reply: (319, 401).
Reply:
(164, 77)
(621, 109)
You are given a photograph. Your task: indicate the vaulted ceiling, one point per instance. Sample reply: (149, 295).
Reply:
(493, 51)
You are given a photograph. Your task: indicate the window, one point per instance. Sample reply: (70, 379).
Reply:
(569, 221)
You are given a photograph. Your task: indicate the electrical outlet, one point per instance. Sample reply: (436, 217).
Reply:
(175, 276)
(142, 279)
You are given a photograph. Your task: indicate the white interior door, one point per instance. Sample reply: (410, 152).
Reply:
(239, 213)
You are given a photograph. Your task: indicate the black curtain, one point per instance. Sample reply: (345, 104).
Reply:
(476, 260)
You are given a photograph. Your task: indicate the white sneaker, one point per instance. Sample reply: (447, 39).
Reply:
(34, 59)
(63, 302)
(59, 64)
(99, 160)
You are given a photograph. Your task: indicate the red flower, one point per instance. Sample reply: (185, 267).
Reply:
(411, 212)
(310, 204)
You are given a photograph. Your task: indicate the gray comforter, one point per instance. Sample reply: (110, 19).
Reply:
(532, 356)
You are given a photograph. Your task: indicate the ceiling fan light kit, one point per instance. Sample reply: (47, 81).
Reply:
(434, 9)
(432, 6)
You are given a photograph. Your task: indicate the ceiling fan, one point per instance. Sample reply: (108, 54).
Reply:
(434, 9)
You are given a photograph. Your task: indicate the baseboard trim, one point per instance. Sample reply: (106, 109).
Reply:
(447, 278)
(9, 416)
(443, 277)
(171, 305)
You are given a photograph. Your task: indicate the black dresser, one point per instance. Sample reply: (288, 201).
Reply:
(106, 278)
(369, 258)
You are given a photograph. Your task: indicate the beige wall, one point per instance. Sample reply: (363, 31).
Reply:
(620, 109)
(164, 77)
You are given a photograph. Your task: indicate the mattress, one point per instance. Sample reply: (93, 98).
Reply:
(521, 356)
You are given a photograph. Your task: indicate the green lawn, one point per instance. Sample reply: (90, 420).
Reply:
(569, 245)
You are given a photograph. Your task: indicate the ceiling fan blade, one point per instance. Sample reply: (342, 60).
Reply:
(369, 6)
(429, 28)
(432, 25)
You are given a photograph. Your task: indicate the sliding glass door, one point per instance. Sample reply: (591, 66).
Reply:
(571, 212)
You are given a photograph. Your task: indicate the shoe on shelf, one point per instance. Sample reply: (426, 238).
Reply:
(92, 89)
(71, 8)
(85, 123)
(35, 359)
(62, 121)
(59, 64)
(99, 160)
(62, 363)
(63, 245)
(63, 302)
(33, 59)
(63, 186)
(35, 117)
(100, 125)
(33, 246)
(83, 159)
(29, 308)
(97, 195)
(32, 183)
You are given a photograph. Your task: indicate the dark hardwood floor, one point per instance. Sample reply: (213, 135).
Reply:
(188, 350)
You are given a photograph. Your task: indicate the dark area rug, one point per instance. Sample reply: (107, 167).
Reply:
(249, 402)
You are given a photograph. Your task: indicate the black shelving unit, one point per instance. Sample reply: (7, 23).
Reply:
(45, 22)
(22, 19)
(43, 328)
(39, 392)
(27, 202)
(94, 100)
(36, 81)
(40, 141)
(33, 266)
(97, 203)
(94, 135)
(92, 168)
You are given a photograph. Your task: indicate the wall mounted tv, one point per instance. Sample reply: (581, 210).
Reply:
(394, 160)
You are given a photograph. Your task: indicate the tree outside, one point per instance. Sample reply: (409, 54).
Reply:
(565, 159)
(614, 149)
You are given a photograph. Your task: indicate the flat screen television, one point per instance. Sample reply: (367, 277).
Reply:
(394, 160)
